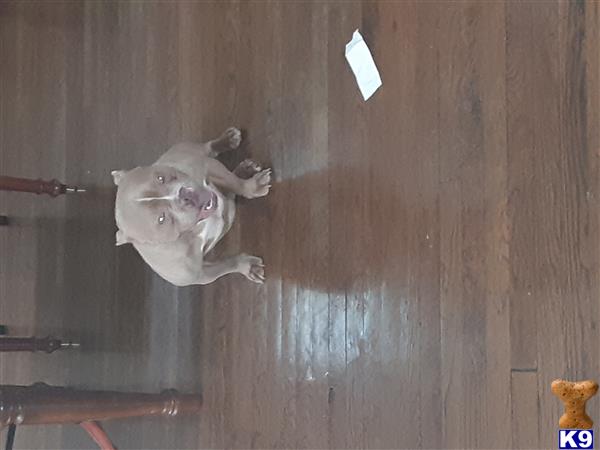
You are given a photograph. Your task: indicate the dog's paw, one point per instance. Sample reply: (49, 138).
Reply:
(247, 168)
(252, 267)
(233, 137)
(258, 185)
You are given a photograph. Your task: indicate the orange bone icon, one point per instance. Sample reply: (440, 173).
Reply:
(574, 395)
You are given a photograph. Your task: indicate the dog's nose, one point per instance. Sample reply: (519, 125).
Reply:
(187, 196)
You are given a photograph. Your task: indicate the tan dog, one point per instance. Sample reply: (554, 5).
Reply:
(176, 210)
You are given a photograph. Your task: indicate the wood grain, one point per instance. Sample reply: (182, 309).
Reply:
(432, 254)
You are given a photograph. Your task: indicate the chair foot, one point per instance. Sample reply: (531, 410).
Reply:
(3, 221)
(52, 187)
(34, 344)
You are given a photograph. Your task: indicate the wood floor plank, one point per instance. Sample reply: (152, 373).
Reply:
(525, 410)
(463, 229)
(491, 51)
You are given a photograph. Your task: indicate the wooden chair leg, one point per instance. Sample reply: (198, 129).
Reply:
(3, 221)
(10, 437)
(52, 187)
(41, 404)
(33, 344)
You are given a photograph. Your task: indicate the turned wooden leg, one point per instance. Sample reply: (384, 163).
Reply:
(33, 344)
(52, 187)
(41, 404)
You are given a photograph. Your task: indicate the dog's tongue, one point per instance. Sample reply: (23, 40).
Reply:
(203, 198)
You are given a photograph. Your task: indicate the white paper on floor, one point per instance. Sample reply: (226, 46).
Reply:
(361, 62)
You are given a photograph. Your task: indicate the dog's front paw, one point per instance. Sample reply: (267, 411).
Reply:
(258, 185)
(247, 168)
(233, 137)
(252, 267)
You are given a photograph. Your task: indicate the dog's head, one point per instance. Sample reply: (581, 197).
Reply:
(157, 204)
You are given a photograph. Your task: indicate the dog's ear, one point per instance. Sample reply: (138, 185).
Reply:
(117, 175)
(122, 238)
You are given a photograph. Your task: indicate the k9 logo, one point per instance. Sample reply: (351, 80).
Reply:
(569, 439)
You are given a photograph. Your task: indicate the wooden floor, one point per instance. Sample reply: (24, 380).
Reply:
(433, 254)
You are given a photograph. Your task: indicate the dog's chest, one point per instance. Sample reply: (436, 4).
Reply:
(218, 223)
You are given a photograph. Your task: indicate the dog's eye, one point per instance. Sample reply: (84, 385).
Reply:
(161, 179)
(161, 219)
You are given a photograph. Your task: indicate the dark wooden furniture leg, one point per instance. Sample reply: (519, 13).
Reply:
(3, 221)
(41, 404)
(33, 344)
(52, 187)
(10, 437)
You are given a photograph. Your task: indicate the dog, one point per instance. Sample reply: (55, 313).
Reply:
(175, 211)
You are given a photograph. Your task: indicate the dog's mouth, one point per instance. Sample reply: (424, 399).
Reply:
(207, 206)
(200, 202)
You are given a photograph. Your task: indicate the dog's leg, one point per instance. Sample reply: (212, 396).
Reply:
(229, 140)
(256, 186)
(186, 153)
(191, 151)
(251, 267)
